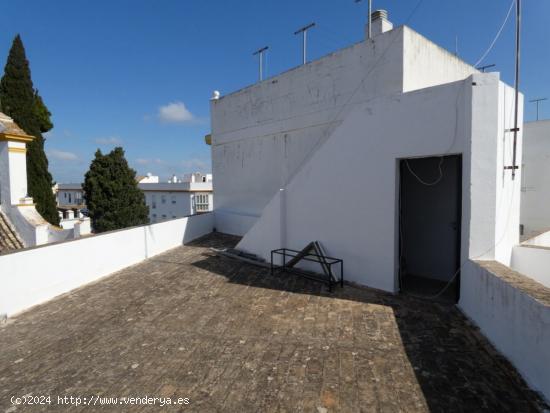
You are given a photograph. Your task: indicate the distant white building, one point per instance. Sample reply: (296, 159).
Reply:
(535, 185)
(147, 179)
(69, 196)
(178, 198)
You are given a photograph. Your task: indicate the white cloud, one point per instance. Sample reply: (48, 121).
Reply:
(194, 164)
(62, 155)
(112, 140)
(175, 112)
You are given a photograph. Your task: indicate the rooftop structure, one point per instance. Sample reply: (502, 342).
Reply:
(426, 140)
(18, 209)
(535, 186)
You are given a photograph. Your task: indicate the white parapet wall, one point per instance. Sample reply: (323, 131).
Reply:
(532, 261)
(513, 312)
(35, 275)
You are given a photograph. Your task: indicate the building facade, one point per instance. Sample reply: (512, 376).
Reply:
(394, 112)
(166, 200)
(535, 185)
(176, 200)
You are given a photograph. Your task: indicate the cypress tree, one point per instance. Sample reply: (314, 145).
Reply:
(21, 102)
(112, 195)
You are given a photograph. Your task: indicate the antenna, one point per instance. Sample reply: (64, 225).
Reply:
(369, 18)
(304, 30)
(260, 53)
(456, 45)
(516, 91)
(537, 101)
(482, 68)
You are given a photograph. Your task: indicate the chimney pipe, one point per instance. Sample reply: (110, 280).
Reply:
(380, 23)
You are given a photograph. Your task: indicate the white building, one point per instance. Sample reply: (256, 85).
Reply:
(166, 200)
(396, 155)
(178, 199)
(17, 207)
(147, 179)
(535, 187)
(69, 196)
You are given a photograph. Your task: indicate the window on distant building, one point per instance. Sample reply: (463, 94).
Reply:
(173, 199)
(65, 195)
(154, 202)
(163, 199)
(204, 179)
(173, 217)
(201, 202)
(154, 218)
(163, 216)
(70, 199)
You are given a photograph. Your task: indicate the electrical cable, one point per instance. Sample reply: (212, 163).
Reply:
(438, 180)
(503, 236)
(497, 35)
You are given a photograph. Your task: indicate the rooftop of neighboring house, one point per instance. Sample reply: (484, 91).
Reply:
(69, 187)
(177, 187)
(8, 126)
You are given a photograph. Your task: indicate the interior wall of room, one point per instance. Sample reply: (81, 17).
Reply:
(430, 203)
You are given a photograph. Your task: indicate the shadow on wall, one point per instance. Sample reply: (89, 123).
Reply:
(455, 366)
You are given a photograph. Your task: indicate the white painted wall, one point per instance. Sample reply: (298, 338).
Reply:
(367, 144)
(164, 205)
(263, 134)
(33, 276)
(13, 179)
(542, 240)
(517, 324)
(427, 64)
(535, 196)
(458, 118)
(532, 261)
(68, 197)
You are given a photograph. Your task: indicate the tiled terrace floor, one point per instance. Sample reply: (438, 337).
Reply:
(234, 339)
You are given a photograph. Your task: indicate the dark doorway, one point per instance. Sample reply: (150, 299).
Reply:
(430, 199)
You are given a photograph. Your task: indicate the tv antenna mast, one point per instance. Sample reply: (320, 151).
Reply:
(537, 101)
(260, 53)
(369, 33)
(304, 30)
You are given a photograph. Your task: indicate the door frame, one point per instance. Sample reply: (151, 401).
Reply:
(459, 186)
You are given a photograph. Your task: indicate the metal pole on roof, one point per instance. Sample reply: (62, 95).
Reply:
(304, 30)
(369, 19)
(518, 51)
(537, 101)
(260, 53)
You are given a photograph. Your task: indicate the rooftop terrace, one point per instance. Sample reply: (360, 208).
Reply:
(229, 336)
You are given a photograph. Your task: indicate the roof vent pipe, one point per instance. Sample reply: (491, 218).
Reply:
(380, 22)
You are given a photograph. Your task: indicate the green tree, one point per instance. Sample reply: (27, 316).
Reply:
(20, 101)
(112, 194)
(42, 113)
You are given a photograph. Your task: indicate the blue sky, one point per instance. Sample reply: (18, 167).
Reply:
(139, 73)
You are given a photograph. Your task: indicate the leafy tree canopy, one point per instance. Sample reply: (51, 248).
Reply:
(22, 102)
(112, 194)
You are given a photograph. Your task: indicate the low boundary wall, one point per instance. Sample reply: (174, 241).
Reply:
(35, 275)
(513, 312)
